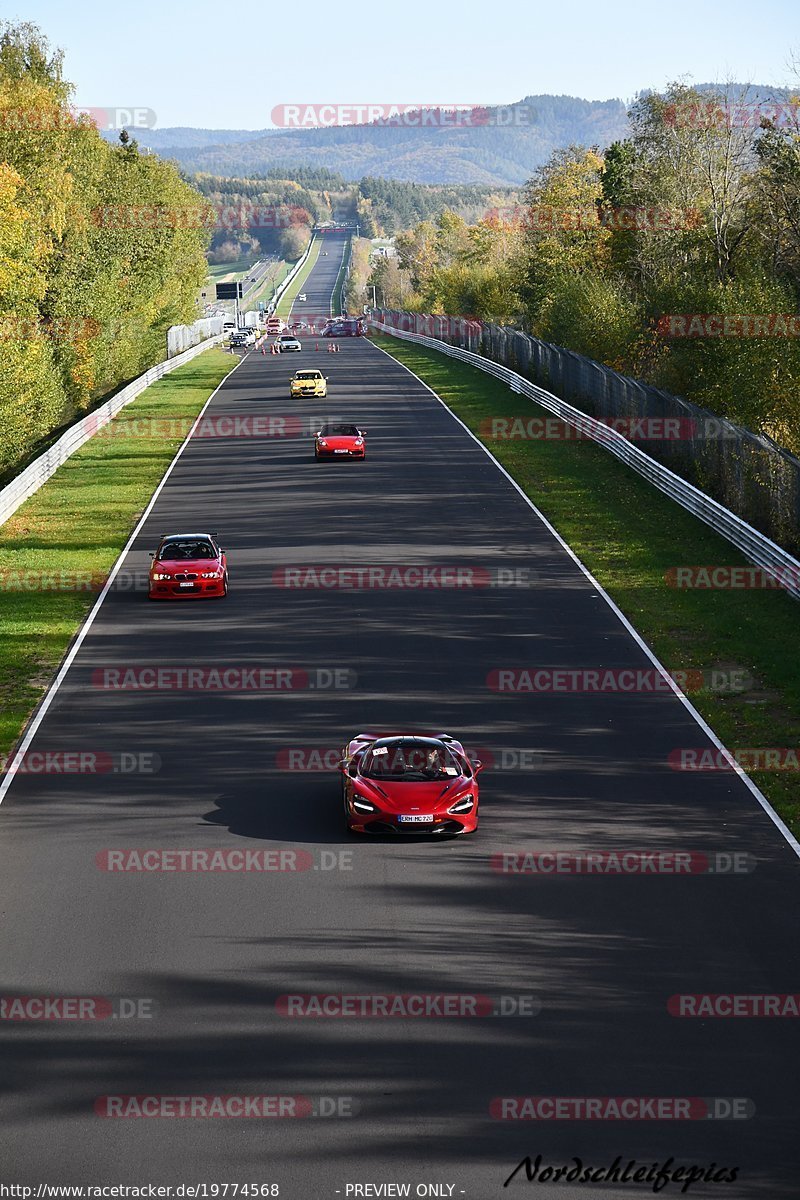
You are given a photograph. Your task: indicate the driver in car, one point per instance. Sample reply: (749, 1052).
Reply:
(433, 764)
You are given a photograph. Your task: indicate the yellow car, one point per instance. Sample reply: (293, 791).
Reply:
(308, 383)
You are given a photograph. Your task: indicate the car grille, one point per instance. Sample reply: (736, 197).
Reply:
(446, 826)
(184, 578)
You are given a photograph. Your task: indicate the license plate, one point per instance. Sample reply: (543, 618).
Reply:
(417, 819)
(341, 452)
(185, 585)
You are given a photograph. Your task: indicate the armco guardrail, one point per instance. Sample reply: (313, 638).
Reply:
(748, 473)
(39, 471)
(758, 548)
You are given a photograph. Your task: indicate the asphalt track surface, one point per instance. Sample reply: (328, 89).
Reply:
(214, 950)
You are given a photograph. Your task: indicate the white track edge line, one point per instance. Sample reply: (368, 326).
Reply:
(759, 795)
(30, 732)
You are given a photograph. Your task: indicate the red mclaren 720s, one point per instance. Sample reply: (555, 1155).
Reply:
(409, 784)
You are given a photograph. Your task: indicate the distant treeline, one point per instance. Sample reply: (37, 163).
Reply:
(673, 256)
(96, 261)
(388, 205)
(267, 214)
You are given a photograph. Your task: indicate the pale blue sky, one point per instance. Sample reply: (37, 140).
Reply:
(226, 65)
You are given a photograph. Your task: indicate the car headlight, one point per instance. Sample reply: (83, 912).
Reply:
(464, 805)
(161, 575)
(322, 442)
(362, 805)
(359, 441)
(210, 574)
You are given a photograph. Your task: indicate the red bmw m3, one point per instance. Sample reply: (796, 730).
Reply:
(188, 565)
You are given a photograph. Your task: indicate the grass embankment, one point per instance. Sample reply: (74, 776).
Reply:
(230, 271)
(629, 535)
(72, 530)
(286, 301)
(337, 299)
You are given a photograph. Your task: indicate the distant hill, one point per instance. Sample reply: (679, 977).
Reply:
(184, 137)
(490, 154)
(483, 154)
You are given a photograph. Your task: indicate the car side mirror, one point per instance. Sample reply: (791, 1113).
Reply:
(152, 554)
(477, 766)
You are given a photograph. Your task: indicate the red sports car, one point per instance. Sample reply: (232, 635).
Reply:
(409, 784)
(188, 565)
(340, 441)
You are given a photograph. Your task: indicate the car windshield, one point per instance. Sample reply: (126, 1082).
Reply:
(308, 375)
(186, 549)
(409, 761)
(339, 431)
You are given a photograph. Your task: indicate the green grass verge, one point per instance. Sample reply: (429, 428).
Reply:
(229, 271)
(337, 299)
(273, 279)
(73, 529)
(296, 286)
(628, 534)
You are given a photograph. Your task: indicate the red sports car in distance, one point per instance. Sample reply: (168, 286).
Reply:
(409, 784)
(188, 565)
(340, 441)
